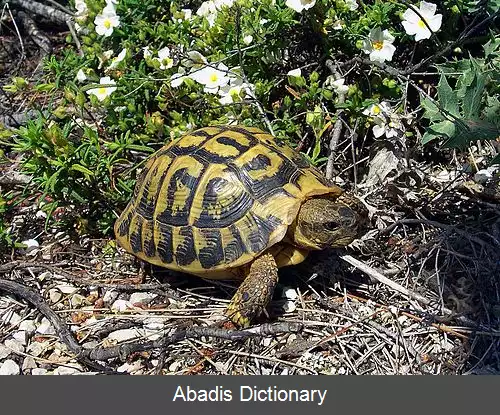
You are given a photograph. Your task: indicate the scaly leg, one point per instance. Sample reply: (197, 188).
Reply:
(255, 291)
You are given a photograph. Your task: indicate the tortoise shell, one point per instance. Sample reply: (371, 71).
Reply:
(216, 198)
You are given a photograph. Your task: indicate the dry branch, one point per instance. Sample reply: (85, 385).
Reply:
(43, 10)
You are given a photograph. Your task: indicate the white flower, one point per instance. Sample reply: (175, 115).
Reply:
(81, 75)
(212, 78)
(247, 39)
(386, 121)
(178, 78)
(391, 128)
(295, 73)
(299, 5)
(147, 52)
(104, 91)
(337, 84)
(81, 10)
(219, 4)
(235, 90)
(106, 21)
(115, 61)
(381, 110)
(351, 4)
(208, 10)
(414, 25)
(186, 14)
(262, 22)
(166, 62)
(379, 45)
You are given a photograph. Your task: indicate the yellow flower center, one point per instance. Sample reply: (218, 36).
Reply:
(107, 23)
(378, 45)
(213, 77)
(421, 24)
(376, 110)
(101, 91)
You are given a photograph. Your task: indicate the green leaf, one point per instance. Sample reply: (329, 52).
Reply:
(496, 160)
(78, 167)
(432, 111)
(473, 96)
(444, 128)
(474, 131)
(447, 97)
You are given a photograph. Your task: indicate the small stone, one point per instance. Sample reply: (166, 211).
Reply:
(290, 293)
(9, 367)
(4, 352)
(130, 367)
(121, 305)
(266, 341)
(77, 300)
(66, 288)
(28, 325)
(175, 366)
(40, 214)
(39, 371)
(90, 345)
(110, 296)
(11, 317)
(44, 275)
(123, 335)
(45, 327)
(20, 336)
(31, 245)
(37, 348)
(142, 298)
(15, 345)
(154, 323)
(65, 370)
(54, 295)
(289, 307)
(28, 364)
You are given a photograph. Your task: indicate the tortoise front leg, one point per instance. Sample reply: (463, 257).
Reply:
(255, 291)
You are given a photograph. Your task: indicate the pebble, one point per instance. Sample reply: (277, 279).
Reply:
(20, 336)
(154, 323)
(15, 345)
(31, 245)
(77, 300)
(4, 351)
(66, 288)
(9, 367)
(54, 295)
(130, 367)
(11, 317)
(290, 293)
(65, 370)
(38, 371)
(28, 325)
(142, 298)
(289, 306)
(121, 305)
(110, 296)
(45, 327)
(37, 348)
(124, 335)
(44, 275)
(28, 364)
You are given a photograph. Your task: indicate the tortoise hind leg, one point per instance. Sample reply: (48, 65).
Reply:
(255, 291)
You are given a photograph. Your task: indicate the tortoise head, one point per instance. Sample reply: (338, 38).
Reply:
(328, 222)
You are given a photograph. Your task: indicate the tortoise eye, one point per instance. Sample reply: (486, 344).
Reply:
(331, 226)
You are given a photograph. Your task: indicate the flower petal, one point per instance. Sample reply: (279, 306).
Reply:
(427, 9)
(435, 22)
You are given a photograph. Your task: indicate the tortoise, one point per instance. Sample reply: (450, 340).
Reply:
(233, 202)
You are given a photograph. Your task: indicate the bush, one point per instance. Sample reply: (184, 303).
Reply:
(149, 71)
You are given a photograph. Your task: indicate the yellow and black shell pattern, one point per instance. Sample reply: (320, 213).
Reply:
(216, 198)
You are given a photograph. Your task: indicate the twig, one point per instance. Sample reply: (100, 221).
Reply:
(62, 330)
(50, 13)
(124, 350)
(337, 129)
